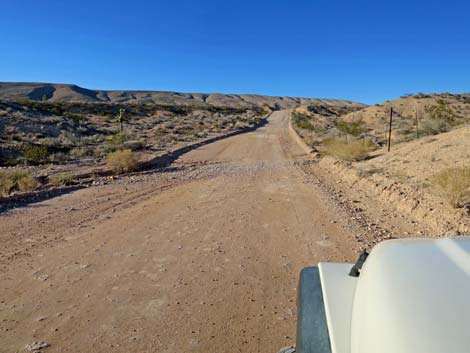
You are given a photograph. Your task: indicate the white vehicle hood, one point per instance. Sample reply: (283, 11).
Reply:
(413, 296)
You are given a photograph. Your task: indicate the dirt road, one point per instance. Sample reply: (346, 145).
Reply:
(202, 258)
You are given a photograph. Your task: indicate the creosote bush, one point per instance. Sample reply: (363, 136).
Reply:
(124, 161)
(351, 151)
(16, 180)
(455, 185)
(433, 127)
(36, 154)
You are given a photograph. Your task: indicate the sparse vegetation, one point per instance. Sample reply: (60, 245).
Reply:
(61, 179)
(16, 180)
(124, 161)
(455, 185)
(348, 150)
(350, 129)
(442, 111)
(433, 127)
(36, 154)
(302, 122)
(39, 132)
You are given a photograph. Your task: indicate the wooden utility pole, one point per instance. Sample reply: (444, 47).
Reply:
(417, 130)
(390, 130)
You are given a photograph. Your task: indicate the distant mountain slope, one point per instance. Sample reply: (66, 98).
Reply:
(449, 106)
(73, 93)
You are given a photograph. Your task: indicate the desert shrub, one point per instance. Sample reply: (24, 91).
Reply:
(165, 139)
(201, 134)
(405, 127)
(75, 116)
(133, 145)
(59, 157)
(115, 142)
(61, 179)
(454, 184)
(16, 180)
(108, 117)
(93, 139)
(433, 127)
(68, 139)
(353, 128)
(78, 152)
(161, 131)
(442, 111)
(302, 122)
(36, 153)
(117, 139)
(406, 131)
(124, 161)
(305, 124)
(355, 150)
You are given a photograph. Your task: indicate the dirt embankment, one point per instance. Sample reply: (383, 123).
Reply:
(399, 184)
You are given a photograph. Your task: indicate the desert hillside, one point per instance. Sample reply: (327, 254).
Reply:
(72, 93)
(450, 108)
(425, 175)
(413, 116)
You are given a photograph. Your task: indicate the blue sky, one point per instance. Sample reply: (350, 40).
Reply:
(367, 51)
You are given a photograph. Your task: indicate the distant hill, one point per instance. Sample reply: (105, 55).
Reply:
(73, 93)
(451, 106)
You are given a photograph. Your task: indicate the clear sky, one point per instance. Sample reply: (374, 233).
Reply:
(367, 51)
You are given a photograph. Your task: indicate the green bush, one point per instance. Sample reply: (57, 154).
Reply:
(302, 122)
(117, 139)
(354, 128)
(115, 142)
(36, 154)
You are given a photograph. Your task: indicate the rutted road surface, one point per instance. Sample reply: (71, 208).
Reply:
(203, 258)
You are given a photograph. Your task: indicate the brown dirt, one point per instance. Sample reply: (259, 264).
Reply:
(401, 180)
(202, 257)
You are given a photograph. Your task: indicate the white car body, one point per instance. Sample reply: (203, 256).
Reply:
(412, 296)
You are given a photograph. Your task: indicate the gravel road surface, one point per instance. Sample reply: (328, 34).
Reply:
(201, 257)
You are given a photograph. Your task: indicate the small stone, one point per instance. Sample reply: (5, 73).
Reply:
(36, 346)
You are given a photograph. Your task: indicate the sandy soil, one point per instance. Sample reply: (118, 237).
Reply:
(203, 257)
(402, 180)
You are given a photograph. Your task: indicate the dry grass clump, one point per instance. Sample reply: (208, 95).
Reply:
(124, 161)
(455, 185)
(351, 151)
(61, 179)
(17, 180)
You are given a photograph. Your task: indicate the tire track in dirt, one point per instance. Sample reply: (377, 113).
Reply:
(200, 260)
